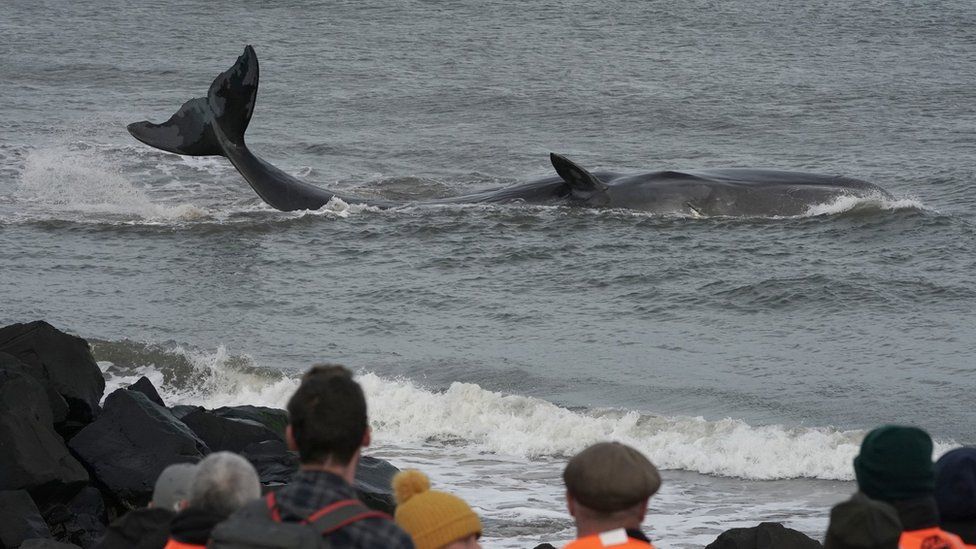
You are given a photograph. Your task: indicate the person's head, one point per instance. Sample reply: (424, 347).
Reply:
(955, 485)
(327, 422)
(895, 463)
(172, 489)
(435, 520)
(224, 482)
(863, 523)
(608, 485)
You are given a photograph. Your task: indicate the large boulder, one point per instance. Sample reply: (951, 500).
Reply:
(130, 444)
(20, 520)
(32, 455)
(273, 418)
(223, 434)
(374, 479)
(61, 360)
(768, 535)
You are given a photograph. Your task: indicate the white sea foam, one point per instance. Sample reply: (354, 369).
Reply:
(531, 427)
(64, 180)
(469, 416)
(337, 207)
(847, 203)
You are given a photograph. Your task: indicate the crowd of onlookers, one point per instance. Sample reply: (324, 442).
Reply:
(904, 500)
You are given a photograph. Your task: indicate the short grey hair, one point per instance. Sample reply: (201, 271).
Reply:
(224, 482)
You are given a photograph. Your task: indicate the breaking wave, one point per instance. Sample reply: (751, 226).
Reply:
(470, 416)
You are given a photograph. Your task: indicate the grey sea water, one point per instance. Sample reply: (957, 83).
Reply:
(738, 352)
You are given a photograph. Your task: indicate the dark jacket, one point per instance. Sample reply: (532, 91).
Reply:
(962, 528)
(193, 526)
(917, 514)
(146, 528)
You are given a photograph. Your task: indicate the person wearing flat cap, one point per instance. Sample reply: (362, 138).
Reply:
(607, 489)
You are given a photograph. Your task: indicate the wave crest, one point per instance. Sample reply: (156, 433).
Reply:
(481, 420)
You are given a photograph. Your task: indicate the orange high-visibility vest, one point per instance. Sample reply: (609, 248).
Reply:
(617, 539)
(930, 538)
(173, 544)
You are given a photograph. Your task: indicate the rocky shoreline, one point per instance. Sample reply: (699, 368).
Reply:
(71, 462)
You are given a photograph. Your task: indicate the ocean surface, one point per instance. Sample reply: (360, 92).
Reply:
(746, 356)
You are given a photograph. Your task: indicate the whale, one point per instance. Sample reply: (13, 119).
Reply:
(214, 125)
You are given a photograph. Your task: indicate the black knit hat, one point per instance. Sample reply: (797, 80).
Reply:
(895, 463)
(863, 523)
(955, 484)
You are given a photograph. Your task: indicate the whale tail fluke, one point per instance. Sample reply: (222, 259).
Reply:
(206, 125)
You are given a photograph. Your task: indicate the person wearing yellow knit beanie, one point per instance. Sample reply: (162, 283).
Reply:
(435, 520)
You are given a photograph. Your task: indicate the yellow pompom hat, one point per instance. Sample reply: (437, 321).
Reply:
(433, 519)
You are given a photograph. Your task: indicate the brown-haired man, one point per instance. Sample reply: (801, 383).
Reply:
(327, 425)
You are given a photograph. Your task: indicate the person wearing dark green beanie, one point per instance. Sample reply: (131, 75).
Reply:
(895, 466)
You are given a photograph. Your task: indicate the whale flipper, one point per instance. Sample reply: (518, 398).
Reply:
(226, 111)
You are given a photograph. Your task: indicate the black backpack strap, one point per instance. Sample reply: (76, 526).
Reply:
(340, 514)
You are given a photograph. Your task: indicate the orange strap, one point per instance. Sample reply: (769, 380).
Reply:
(351, 515)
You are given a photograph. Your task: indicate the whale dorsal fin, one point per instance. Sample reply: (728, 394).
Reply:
(582, 183)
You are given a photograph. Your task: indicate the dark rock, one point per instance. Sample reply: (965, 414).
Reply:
(82, 520)
(131, 443)
(180, 411)
(272, 459)
(145, 387)
(272, 418)
(32, 455)
(146, 528)
(222, 434)
(46, 544)
(59, 407)
(768, 535)
(374, 478)
(61, 360)
(20, 519)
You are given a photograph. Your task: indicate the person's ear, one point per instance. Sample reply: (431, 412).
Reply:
(570, 504)
(643, 509)
(290, 439)
(367, 437)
